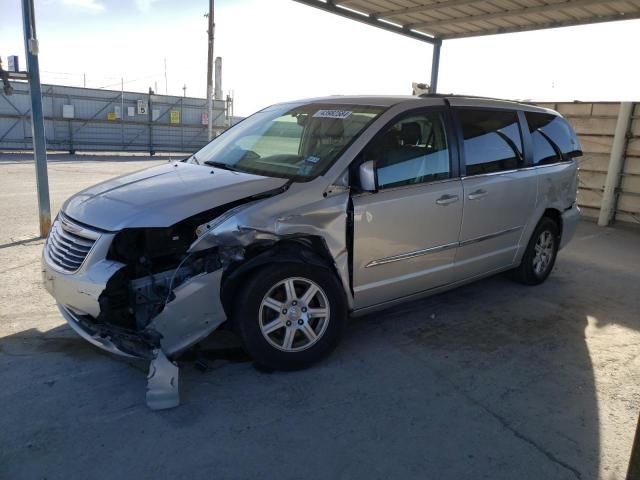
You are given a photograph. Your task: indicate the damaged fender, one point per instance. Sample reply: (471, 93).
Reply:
(325, 219)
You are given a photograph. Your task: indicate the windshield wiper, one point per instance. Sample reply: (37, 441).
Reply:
(221, 165)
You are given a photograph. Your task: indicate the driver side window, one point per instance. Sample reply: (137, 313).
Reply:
(413, 151)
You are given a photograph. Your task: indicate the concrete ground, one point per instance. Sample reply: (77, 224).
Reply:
(493, 380)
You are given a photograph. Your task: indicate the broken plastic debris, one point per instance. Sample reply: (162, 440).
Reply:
(162, 383)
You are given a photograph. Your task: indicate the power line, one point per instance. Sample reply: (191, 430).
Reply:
(130, 81)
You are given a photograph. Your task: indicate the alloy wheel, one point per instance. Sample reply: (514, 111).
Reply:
(294, 314)
(544, 250)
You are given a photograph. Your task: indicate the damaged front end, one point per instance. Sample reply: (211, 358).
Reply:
(153, 292)
(138, 293)
(169, 297)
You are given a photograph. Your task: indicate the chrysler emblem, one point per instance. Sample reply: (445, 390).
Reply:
(70, 228)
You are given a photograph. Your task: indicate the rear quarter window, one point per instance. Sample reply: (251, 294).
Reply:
(552, 138)
(492, 141)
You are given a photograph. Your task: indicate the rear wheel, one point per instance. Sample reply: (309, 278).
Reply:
(290, 315)
(540, 256)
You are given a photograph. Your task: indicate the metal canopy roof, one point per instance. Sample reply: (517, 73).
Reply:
(433, 21)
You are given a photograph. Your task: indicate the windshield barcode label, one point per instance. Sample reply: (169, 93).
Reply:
(332, 114)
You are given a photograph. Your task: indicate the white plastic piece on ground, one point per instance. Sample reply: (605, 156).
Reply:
(162, 383)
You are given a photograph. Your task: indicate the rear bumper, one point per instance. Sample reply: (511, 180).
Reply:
(570, 219)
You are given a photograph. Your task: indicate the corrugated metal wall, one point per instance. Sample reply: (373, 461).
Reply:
(94, 126)
(595, 124)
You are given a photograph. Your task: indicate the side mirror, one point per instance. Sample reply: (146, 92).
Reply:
(368, 176)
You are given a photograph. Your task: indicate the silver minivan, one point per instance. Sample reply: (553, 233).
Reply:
(308, 212)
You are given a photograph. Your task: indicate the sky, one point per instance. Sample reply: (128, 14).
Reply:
(279, 50)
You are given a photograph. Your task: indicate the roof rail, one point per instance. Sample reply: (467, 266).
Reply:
(453, 95)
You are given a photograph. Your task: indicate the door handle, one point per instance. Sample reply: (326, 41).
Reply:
(478, 194)
(447, 199)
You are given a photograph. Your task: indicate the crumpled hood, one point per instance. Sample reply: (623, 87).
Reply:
(162, 196)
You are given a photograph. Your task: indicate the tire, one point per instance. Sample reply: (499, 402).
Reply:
(534, 269)
(277, 324)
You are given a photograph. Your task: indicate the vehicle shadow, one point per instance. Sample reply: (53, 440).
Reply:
(527, 356)
(492, 380)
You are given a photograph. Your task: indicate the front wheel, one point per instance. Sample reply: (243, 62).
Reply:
(540, 256)
(290, 315)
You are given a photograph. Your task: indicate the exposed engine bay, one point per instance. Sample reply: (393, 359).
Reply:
(163, 299)
(156, 264)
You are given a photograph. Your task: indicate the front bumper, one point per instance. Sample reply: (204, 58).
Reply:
(194, 311)
(97, 336)
(81, 289)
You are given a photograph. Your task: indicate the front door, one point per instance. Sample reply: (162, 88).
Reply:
(499, 195)
(406, 233)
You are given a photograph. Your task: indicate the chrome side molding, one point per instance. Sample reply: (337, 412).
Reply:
(439, 248)
(490, 236)
(406, 256)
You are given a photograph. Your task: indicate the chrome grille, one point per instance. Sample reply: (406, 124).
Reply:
(69, 244)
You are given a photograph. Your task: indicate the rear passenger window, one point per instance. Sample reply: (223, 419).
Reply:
(412, 151)
(552, 137)
(492, 141)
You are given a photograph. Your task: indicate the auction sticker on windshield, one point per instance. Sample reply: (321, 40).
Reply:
(332, 114)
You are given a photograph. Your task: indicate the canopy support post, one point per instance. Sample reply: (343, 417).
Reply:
(435, 66)
(37, 116)
(616, 165)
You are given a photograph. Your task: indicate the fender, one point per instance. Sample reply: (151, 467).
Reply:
(303, 249)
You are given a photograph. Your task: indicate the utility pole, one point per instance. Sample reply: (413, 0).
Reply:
(166, 87)
(184, 90)
(210, 35)
(122, 111)
(37, 117)
(217, 85)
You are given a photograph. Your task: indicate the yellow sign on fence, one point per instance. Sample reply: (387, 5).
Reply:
(111, 116)
(175, 116)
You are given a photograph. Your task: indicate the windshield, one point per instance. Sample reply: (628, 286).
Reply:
(297, 141)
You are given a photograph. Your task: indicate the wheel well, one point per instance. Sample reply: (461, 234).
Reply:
(556, 216)
(305, 249)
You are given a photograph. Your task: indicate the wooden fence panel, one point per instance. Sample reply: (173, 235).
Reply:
(595, 124)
